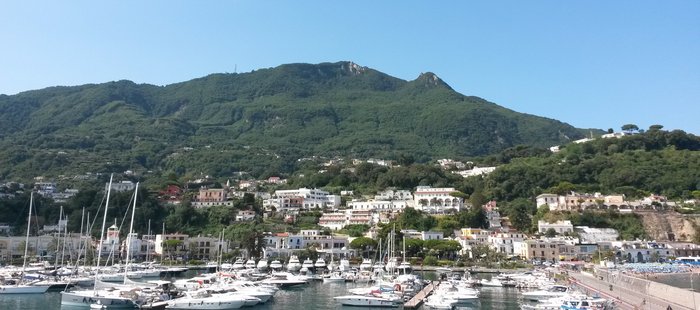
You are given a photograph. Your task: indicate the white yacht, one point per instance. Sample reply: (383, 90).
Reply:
(294, 265)
(308, 264)
(320, 264)
(262, 265)
(283, 279)
(204, 300)
(238, 264)
(550, 292)
(344, 265)
(111, 298)
(250, 264)
(276, 265)
(369, 301)
(440, 302)
(366, 264)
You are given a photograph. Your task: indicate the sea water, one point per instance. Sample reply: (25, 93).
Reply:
(315, 296)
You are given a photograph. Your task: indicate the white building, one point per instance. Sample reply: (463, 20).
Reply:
(595, 235)
(312, 198)
(476, 171)
(503, 242)
(437, 200)
(123, 186)
(378, 205)
(560, 227)
(391, 194)
(550, 200)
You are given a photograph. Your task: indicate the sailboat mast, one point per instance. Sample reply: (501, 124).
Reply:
(148, 244)
(26, 241)
(128, 237)
(102, 231)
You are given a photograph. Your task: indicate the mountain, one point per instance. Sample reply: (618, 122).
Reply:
(262, 122)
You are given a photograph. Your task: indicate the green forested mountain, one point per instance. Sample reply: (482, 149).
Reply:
(261, 122)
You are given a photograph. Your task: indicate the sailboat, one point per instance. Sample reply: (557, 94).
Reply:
(20, 288)
(108, 299)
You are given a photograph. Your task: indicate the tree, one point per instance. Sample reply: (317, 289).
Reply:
(550, 233)
(630, 128)
(172, 245)
(655, 127)
(363, 244)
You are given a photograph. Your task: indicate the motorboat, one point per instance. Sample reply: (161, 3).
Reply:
(238, 264)
(204, 300)
(550, 292)
(320, 264)
(440, 302)
(294, 265)
(308, 263)
(107, 299)
(366, 264)
(344, 265)
(369, 300)
(250, 264)
(276, 265)
(262, 265)
(404, 268)
(283, 279)
(493, 282)
(334, 278)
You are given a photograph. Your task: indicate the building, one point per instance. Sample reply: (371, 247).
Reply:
(245, 215)
(594, 235)
(172, 245)
(550, 200)
(333, 220)
(560, 227)
(436, 200)
(378, 205)
(540, 250)
(311, 198)
(392, 194)
(503, 242)
(123, 186)
(206, 248)
(208, 197)
(476, 171)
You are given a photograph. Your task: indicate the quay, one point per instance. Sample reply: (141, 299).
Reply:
(630, 293)
(417, 300)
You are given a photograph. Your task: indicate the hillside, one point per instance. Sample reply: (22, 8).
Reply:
(262, 122)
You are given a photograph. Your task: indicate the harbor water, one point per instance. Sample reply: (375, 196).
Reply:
(315, 296)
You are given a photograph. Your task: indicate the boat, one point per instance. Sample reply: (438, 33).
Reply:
(294, 265)
(238, 264)
(283, 279)
(308, 264)
(276, 265)
(344, 265)
(19, 287)
(547, 293)
(493, 282)
(366, 264)
(262, 265)
(204, 300)
(369, 301)
(334, 278)
(250, 264)
(440, 302)
(320, 264)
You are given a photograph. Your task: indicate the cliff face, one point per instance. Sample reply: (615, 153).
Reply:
(670, 226)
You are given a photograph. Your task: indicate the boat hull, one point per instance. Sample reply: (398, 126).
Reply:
(75, 299)
(23, 289)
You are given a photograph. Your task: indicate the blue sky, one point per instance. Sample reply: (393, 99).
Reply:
(592, 64)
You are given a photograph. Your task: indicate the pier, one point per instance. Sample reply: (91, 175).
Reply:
(417, 300)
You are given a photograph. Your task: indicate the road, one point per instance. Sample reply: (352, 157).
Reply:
(625, 298)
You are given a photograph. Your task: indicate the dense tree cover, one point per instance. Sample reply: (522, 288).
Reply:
(260, 122)
(655, 161)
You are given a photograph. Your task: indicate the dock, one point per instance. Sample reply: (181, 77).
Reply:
(417, 300)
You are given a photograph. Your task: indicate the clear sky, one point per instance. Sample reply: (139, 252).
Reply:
(592, 64)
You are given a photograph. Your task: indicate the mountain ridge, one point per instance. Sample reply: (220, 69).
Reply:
(291, 111)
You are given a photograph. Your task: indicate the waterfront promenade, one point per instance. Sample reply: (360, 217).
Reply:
(633, 293)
